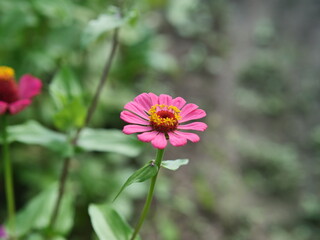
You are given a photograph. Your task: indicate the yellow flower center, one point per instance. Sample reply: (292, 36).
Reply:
(164, 118)
(6, 73)
(8, 87)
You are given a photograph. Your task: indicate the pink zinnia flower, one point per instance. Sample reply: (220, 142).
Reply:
(3, 233)
(16, 97)
(161, 118)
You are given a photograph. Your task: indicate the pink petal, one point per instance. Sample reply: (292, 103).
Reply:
(177, 140)
(195, 114)
(129, 129)
(29, 86)
(154, 98)
(19, 105)
(144, 100)
(130, 117)
(159, 141)
(147, 136)
(3, 107)
(137, 109)
(165, 99)
(199, 126)
(179, 102)
(187, 109)
(190, 136)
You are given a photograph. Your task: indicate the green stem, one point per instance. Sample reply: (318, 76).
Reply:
(66, 163)
(8, 175)
(147, 204)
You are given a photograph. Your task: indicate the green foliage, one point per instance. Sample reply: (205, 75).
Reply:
(106, 22)
(174, 164)
(167, 228)
(255, 103)
(148, 171)
(269, 166)
(173, 46)
(109, 141)
(264, 76)
(103, 24)
(72, 115)
(68, 97)
(262, 87)
(101, 140)
(108, 224)
(39, 237)
(36, 214)
(32, 132)
(65, 86)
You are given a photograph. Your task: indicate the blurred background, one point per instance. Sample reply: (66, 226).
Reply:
(253, 65)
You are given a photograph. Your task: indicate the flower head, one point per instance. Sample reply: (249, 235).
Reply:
(161, 118)
(16, 97)
(3, 233)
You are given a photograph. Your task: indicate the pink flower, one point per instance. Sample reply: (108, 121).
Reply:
(161, 118)
(16, 97)
(3, 233)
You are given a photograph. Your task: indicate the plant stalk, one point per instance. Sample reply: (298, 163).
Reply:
(74, 140)
(147, 204)
(8, 176)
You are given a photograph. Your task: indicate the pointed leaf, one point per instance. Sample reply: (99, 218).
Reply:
(111, 140)
(33, 132)
(174, 164)
(146, 172)
(108, 224)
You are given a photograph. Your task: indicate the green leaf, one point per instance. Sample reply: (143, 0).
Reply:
(37, 236)
(36, 214)
(108, 224)
(33, 132)
(101, 25)
(67, 95)
(64, 87)
(70, 116)
(109, 141)
(104, 23)
(143, 174)
(174, 164)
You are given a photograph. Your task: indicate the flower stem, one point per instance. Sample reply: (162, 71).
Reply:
(62, 183)
(147, 204)
(65, 170)
(8, 175)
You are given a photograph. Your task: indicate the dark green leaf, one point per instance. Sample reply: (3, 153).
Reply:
(174, 164)
(109, 141)
(143, 174)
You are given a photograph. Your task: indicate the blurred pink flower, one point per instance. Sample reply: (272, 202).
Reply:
(16, 97)
(3, 233)
(161, 118)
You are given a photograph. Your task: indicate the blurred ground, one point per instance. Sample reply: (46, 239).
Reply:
(252, 177)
